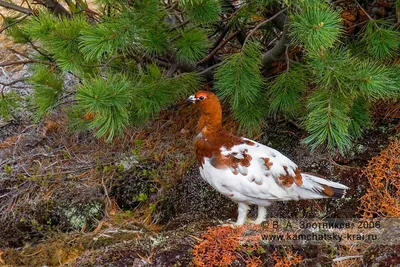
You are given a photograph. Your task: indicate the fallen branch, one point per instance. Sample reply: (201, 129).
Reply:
(16, 7)
(26, 62)
(347, 258)
(11, 83)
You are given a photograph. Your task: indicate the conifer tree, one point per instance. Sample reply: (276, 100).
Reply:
(135, 58)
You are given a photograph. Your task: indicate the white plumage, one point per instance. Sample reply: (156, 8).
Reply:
(249, 172)
(261, 185)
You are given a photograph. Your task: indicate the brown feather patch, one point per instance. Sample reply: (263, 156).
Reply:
(288, 180)
(298, 179)
(222, 162)
(249, 143)
(267, 163)
(209, 144)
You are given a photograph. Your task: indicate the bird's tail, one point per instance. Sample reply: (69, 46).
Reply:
(316, 187)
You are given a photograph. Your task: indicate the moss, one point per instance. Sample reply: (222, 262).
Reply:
(135, 185)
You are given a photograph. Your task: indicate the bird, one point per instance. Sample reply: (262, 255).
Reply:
(248, 172)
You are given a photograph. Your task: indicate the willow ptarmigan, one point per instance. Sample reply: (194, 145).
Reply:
(248, 172)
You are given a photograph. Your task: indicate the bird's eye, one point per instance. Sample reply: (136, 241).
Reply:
(201, 98)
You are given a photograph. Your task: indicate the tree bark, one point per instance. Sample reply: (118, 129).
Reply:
(56, 8)
(275, 52)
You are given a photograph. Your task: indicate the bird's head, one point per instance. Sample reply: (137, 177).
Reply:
(210, 107)
(207, 102)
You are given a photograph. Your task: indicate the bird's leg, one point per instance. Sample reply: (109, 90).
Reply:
(242, 210)
(262, 213)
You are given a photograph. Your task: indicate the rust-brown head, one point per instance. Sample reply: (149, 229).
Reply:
(211, 111)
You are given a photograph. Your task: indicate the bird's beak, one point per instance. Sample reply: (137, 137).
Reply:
(192, 99)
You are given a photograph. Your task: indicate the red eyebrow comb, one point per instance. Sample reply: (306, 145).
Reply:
(201, 94)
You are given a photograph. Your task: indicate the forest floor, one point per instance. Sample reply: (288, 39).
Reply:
(69, 199)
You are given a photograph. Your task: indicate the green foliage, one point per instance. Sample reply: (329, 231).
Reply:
(191, 46)
(239, 82)
(154, 92)
(247, 10)
(285, 92)
(328, 121)
(117, 101)
(360, 117)
(47, 88)
(105, 39)
(41, 26)
(204, 11)
(8, 103)
(108, 99)
(333, 68)
(76, 122)
(353, 83)
(251, 116)
(381, 40)
(133, 57)
(14, 30)
(156, 41)
(377, 81)
(316, 25)
(60, 37)
(125, 32)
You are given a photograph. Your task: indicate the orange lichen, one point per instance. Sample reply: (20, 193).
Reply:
(383, 174)
(254, 262)
(291, 259)
(222, 245)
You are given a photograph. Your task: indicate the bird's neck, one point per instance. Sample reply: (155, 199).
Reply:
(210, 122)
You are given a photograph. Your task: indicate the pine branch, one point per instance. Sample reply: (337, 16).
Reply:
(316, 25)
(14, 23)
(262, 24)
(209, 71)
(55, 7)
(220, 37)
(38, 50)
(15, 7)
(275, 53)
(219, 47)
(191, 46)
(366, 14)
(179, 25)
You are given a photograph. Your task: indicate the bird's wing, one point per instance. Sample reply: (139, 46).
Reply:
(251, 171)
